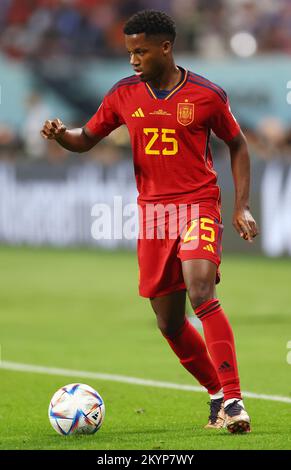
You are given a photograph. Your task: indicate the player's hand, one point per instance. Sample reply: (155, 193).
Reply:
(245, 224)
(53, 129)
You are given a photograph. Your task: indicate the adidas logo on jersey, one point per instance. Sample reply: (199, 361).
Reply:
(209, 247)
(138, 113)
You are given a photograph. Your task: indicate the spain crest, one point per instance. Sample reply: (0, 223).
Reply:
(185, 113)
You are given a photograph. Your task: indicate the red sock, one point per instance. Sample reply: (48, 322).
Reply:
(220, 343)
(190, 348)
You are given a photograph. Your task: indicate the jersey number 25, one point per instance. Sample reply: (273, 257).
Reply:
(166, 136)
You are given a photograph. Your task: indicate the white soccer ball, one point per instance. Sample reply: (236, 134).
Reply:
(76, 409)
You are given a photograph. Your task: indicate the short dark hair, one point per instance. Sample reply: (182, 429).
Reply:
(151, 22)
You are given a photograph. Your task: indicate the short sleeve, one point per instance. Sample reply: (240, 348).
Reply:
(223, 122)
(106, 118)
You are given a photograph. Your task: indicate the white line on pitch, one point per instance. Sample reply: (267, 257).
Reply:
(123, 379)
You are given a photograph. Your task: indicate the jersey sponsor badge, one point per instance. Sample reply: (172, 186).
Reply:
(161, 112)
(185, 113)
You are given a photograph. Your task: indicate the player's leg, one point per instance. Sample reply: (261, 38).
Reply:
(161, 280)
(200, 277)
(188, 345)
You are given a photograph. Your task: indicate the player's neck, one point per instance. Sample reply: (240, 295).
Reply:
(170, 77)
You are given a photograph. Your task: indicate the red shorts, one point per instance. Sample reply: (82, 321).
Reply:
(160, 257)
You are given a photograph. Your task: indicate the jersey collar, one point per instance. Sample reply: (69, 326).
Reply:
(173, 91)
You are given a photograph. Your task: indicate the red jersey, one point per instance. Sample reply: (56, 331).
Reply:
(170, 136)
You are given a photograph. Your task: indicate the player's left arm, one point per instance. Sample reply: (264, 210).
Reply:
(243, 220)
(226, 127)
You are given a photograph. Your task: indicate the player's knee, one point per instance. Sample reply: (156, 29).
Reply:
(200, 292)
(167, 327)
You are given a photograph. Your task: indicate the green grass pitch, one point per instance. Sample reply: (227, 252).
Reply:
(80, 309)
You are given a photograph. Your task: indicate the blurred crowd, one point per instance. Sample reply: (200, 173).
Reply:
(270, 139)
(31, 28)
(36, 31)
(26, 143)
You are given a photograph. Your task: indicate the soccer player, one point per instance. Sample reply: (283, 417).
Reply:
(170, 113)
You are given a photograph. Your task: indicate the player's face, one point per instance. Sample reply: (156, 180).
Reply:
(148, 55)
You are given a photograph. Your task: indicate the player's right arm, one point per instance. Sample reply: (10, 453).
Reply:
(75, 140)
(105, 120)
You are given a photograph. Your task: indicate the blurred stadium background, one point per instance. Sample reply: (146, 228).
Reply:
(57, 59)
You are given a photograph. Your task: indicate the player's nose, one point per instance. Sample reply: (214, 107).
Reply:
(133, 60)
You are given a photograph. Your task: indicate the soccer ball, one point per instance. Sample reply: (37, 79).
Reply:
(76, 409)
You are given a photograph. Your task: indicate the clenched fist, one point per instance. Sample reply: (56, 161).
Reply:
(53, 129)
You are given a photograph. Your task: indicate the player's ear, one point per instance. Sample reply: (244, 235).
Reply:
(167, 47)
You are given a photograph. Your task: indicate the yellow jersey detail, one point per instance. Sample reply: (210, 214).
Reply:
(209, 248)
(138, 113)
